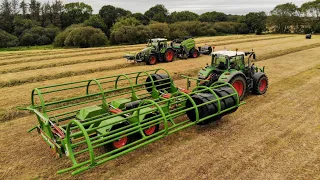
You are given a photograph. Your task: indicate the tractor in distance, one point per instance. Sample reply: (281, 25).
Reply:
(234, 68)
(158, 50)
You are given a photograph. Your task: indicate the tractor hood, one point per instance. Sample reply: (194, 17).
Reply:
(147, 50)
(205, 72)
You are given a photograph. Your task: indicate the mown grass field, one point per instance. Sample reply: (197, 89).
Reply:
(274, 136)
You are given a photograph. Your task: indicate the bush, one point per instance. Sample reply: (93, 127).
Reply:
(130, 34)
(224, 28)
(29, 39)
(38, 36)
(81, 37)
(240, 28)
(61, 37)
(193, 28)
(21, 24)
(97, 22)
(159, 30)
(7, 40)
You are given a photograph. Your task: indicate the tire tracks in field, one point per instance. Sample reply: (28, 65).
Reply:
(272, 142)
(58, 64)
(130, 49)
(100, 69)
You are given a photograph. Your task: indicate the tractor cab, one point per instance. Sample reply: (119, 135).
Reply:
(159, 44)
(225, 60)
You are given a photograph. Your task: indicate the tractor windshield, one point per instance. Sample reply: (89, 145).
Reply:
(220, 62)
(236, 62)
(153, 43)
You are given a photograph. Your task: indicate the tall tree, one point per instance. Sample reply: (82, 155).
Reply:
(34, 9)
(283, 16)
(110, 14)
(256, 22)
(23, 7)
(311, 12)
(8, 9)
(157, 13)
(213, 17)
(57, 8)
(75, 13)
(142, 18)
(183, 16)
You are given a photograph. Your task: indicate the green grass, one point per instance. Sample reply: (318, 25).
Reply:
(26, 48)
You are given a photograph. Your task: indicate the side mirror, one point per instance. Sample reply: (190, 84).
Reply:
(254, 56)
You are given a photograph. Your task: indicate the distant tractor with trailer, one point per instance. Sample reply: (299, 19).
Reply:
(231, 67)
(158, 50)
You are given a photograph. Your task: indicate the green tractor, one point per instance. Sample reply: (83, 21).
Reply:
(158, 50)
(234, 68)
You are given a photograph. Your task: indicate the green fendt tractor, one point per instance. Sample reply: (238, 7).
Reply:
(234, 68)
(158, 50)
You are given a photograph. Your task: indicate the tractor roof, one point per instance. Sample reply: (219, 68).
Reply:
(228, 53)
(159, 39)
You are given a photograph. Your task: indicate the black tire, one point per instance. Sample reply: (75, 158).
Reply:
(209, 50)
(261, 85)
(152, 60)
(235, 83)
(169, 55)
(194, 53)
(112, 146)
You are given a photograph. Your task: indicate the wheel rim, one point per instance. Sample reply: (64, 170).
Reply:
(195, 54)
(120, 143)
(238, 85)
(150, 130)
(153, 60)
(263, 85)
(169, 56)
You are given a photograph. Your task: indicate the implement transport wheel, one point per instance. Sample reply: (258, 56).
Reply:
(239, 83)
(194, 53)
(119, 143)
(261, 86)
(169, 55)
(151, 129)
(152, 60)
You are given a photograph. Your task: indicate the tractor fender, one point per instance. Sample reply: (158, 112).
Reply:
(257, 76)
(227, 76)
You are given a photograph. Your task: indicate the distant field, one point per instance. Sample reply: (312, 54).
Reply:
(274, 136)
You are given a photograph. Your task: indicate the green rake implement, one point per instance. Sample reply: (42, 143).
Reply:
(95, 121)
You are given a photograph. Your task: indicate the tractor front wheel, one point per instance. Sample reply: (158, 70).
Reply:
(261, 86)
(152, 60)
(239, 83)
(169, 55)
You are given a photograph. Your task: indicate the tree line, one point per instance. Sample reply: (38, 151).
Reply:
(74, 24)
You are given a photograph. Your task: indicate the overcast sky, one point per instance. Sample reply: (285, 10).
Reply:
(197, 6)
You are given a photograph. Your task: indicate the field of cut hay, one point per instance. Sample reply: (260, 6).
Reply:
(273, 136)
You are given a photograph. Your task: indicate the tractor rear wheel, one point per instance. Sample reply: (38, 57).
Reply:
(152, 60)
(169, 55)
(261, 86)
(194, 53)
(119, 143)
(239, 83)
